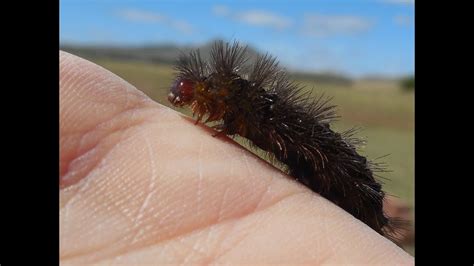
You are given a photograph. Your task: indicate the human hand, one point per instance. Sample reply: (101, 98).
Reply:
(141, 184)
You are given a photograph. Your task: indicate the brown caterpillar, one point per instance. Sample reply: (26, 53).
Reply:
(260, 103)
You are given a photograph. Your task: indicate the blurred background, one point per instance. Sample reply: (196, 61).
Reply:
(361, 53)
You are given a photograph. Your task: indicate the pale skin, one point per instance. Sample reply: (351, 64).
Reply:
(142, 184)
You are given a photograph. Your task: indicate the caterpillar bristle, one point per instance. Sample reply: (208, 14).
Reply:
(263, 72)
(226, 58)
(395, 230)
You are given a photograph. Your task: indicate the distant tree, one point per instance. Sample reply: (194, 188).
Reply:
(408, 83)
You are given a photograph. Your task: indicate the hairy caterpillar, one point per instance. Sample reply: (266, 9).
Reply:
(259, 103)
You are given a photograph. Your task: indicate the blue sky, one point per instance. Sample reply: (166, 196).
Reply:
(356, 38)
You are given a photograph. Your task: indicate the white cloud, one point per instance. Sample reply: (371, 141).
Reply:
(135, 15)
(263, 18)
(259, 18)
(403, 20)
(326, 25)
(140, 16)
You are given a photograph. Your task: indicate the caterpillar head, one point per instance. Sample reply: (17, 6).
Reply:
(201, 96)
(181, 92)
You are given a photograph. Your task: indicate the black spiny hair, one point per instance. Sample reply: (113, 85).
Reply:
(261, 104)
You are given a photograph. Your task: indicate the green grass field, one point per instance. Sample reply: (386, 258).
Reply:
(381, 108)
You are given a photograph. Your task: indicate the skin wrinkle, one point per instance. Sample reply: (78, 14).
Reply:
(224, 197)
(89, 94)
(246, 162)
(117, 199)
(188, 252)
(212, 237)
(70, 87)
(223, 237)
(207, 240)
(95, 109)
(66, 115)
(226, 191)
(226, 239)
(266, 190)
(105, 129)
(121, 197)
(82, 157)
(221, 208)
(118, 210)
(66, 158)
(264, 193)
(64, 70)
(244, 154)
(175, 226)
(151, 189)
(79, 187)
(102, 148)
(97, 248)
(220, 252)
(192, 248)
(153, 175)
